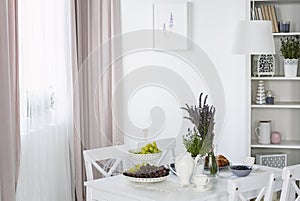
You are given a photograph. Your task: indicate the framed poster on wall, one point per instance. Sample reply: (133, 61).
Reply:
(170, 25)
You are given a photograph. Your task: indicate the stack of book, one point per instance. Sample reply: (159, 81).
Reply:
(266, 12)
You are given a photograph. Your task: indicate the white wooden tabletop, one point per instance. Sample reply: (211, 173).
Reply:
(119, 188)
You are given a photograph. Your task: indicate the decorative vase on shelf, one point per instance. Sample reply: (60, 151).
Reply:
(290, 67)
(260, 95)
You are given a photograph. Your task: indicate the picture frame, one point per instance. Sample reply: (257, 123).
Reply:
(170, 24)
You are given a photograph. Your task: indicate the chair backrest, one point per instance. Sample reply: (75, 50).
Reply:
(253, 186)
(167, 145)
(113, 156)
(290, 190)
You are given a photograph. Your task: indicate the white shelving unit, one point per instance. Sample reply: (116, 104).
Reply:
(285, 144)
(277, 78)
(287, 34)
(279, 105)
(285, 112)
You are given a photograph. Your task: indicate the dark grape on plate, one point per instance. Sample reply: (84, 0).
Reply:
(146, 170)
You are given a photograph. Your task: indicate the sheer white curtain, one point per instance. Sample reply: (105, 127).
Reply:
(46, 100)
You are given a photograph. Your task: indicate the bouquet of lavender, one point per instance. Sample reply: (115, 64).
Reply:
(199, 140)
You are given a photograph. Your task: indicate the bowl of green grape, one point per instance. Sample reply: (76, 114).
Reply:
(148, 152)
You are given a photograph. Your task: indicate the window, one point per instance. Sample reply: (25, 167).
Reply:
(45, 65)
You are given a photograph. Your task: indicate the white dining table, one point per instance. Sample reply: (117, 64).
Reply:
(119, 188)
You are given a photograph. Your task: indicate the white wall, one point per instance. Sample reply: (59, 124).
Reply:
(212, 25)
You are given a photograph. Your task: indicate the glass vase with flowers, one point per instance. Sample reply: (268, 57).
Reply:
(199, 140)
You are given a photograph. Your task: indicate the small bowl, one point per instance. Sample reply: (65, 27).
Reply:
(241, 170)
(143, 157)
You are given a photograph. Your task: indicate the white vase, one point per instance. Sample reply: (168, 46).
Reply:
(260, 95)
(290, 67)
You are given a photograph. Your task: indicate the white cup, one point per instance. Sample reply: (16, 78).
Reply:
(248, 161)
(263, 132)
(200, 180)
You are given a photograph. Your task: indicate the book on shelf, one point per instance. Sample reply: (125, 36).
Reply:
(260, 15)
(263, 13)
(265, 8)
(267, 12)
(275, 22)
(256, 13)
(271, 18)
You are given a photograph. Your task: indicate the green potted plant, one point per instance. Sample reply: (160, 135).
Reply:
(290, 50)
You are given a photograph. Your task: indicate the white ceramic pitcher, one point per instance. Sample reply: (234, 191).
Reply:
(263, 132)
(184, 166)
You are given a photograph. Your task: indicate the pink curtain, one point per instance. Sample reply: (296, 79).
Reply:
(9, 101)
(96, 22)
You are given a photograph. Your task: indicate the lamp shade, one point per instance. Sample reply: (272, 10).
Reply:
(254, 37)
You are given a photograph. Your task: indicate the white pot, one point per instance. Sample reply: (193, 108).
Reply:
(290, 67)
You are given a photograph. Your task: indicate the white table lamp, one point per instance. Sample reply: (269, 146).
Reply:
(254, 37)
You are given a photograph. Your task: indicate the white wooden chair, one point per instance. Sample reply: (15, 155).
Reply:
(167, 145)
(250, 187)
(113, 156)
(290, 189)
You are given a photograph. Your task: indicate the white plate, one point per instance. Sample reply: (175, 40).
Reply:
(224, 167)
(143, 157)
(146, 180)
(201, 189)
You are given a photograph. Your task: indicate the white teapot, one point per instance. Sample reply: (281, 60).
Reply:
(184, 165)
